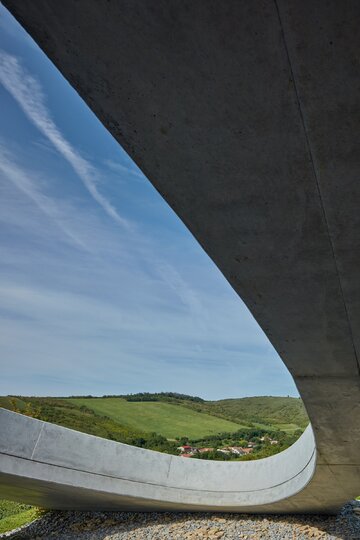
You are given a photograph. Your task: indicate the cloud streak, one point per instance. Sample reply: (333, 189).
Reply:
(28, 93)
(25, 184)
(122, 169)
(58, 331)
(144, 310)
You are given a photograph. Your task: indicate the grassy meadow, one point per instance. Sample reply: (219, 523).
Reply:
(264, 412)
(149, 420)
(170, 420)
(13, 515)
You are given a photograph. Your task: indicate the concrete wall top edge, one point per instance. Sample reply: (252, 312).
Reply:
(71, 450)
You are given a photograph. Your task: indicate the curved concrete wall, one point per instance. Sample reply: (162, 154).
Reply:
(56, 467)
(53, 454)
(245, 119)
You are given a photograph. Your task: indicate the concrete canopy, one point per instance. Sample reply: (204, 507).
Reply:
(245, 117)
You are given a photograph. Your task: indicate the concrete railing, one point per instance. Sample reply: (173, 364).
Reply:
(46, 453)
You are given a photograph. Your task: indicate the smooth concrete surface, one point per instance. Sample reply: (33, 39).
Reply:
(245, 117)
(68, 459)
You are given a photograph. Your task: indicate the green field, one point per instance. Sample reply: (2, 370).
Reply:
(267, 412)
(162, 421)
(288, 428)
(14, 515)
(171, 421)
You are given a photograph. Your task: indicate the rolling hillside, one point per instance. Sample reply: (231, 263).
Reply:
(155, 420)
(170, 420)
(285, 413)
(67, 414)
(265, 412)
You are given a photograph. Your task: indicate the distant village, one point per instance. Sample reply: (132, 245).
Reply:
(188, 451)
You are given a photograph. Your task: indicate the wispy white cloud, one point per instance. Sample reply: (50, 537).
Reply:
(119, 168)
(27, 92)
(108, 344)
(184, 292)
(23, 181)
(142, 311)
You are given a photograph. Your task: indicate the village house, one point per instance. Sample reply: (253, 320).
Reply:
(268, 439)
(238, 450)
(247, 450)
(186, 449)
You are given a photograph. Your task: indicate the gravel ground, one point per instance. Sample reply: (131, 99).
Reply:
(176, 526)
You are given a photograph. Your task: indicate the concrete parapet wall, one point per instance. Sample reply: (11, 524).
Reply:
(48, 453)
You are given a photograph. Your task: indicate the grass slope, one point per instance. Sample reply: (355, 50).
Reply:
(14, 515)
(64, 413)
(267, 412)
(131, 419)
(283, 412)
(169, 420)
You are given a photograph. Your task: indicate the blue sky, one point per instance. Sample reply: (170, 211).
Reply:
(102, 288)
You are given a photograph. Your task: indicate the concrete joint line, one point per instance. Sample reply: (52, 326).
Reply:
(37, 440)
(312, 161)
(168, 471)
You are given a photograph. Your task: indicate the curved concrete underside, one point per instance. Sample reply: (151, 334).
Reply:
(245, 117)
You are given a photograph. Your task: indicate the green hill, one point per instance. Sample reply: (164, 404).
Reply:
(159, 421)
(64, 413)
(170, 420)
(285, 413)
(268, 410)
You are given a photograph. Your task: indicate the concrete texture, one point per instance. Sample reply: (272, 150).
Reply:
(245, 117)
(99, 473)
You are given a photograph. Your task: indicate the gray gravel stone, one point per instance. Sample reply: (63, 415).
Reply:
(184, 526)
